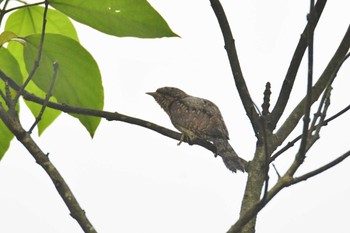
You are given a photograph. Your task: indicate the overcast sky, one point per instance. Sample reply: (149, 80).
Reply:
(129, 179)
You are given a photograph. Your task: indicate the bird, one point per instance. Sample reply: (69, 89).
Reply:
(199, 118)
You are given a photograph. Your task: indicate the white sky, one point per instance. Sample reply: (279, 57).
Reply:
(130, 179)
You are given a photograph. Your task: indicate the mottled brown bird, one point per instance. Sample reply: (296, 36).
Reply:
(198, 118)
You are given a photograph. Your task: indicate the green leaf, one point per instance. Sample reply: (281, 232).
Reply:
(5, 138)
(28, 21)
(136, 18)
(78, 81)
(7, 36)
(10, 67)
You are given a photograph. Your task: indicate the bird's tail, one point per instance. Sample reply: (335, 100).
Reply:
(229, 156)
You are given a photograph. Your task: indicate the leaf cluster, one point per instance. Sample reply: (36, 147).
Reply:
(39, 38)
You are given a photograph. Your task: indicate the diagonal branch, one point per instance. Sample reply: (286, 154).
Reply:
(37, 61)
(321, 169)
(47, 98)
(324, 123)
(320, 124)
(327, 75)
(295, 64)
(11, 120)
(283, 182)
(234, 63)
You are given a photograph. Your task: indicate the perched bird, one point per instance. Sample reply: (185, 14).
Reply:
(198, 118)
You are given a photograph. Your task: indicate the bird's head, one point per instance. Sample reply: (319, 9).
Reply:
(165, 96)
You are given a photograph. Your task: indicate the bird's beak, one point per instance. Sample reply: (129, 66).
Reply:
(151, 93)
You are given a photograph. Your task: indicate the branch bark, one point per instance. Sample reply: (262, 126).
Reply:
(11, 120)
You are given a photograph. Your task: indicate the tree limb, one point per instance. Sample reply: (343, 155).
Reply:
(234, 63)
(37, 61)
(47, 98)
(327, 75)
(320, 169)
(295, 64)
(11, 120)
(111, 116)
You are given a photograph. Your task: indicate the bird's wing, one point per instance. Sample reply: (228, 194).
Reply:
(198, 116)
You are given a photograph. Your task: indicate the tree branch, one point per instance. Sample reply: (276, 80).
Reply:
(37, 61)
(47, 98)
(295, 64)
(321, 169)
(24, 6)
(111, 116)
(234, 63)
(11, 120)
(300, 157)
(324, 123)
(283, 182)
(291, 143)
(327, 75)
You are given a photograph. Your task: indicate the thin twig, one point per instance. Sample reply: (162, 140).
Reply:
(3, 10)
(320, 169)
(323, 113)
(275, 168)
(305, 135)
(24, 6)
(298, 55)
(47, 98)
(4, 97)
(324, 123)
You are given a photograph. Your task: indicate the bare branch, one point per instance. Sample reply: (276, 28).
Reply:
(48, 96)
(305, 135)
(325, 122)
(321, 169)
(24, 6)
(37, 61)
(327, 75)
(283, 182)
(234, 63)
(295, 64)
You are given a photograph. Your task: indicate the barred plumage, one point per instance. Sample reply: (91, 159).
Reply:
(196, 117)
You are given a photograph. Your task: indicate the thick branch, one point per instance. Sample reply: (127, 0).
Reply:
(251, 212)
(295, 64)
(283, 182)
(11, 120)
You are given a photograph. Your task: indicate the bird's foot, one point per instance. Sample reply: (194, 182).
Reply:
(181, 139)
